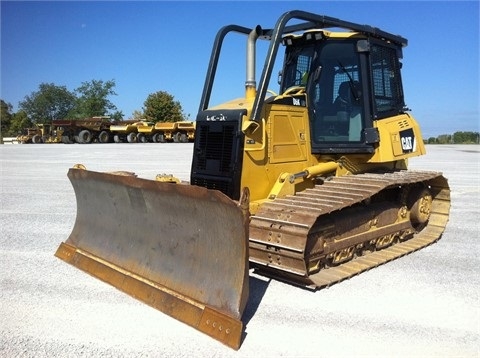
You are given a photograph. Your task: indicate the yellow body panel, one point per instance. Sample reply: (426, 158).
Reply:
(391, 146)
(279, 147)
(145, 128)
(280, 144)
(127, 128)
(166, 126)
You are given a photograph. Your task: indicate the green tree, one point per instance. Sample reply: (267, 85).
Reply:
(117, 116)
(444, 139)
(19, 122)
(49, 102)
(93, 99)
(138, 115)
(465, 137)
(5, 118)
(162, 107)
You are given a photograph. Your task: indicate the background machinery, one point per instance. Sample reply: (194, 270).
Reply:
(126, 131)
(68, 131)
(85, 131)
(161, 132)
(30, 135)
(41, 133)
(309, 186)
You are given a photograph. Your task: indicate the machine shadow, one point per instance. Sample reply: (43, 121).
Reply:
(258, 288)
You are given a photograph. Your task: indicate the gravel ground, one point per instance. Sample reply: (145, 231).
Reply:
(424, 304)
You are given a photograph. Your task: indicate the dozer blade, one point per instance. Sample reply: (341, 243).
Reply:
(179, 248)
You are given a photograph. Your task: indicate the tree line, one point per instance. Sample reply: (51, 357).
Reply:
(90, 99)
(455, 138)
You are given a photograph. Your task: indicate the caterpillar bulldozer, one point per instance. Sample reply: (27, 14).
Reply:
(309, 185)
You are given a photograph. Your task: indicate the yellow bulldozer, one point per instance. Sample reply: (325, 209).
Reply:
(308, 185)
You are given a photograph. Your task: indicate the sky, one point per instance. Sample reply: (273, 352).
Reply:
(147, 47)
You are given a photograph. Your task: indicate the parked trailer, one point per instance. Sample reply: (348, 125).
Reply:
(146, 132)
(102, 130)
(126, 131)
(185, 132)
(84, 131)
(162, 132)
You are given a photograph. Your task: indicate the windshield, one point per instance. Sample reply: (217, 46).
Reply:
(335, 94)
(332, 70)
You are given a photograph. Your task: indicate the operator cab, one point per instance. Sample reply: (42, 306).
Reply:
(349, 80)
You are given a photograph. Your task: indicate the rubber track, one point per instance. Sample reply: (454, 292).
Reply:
(303, 209)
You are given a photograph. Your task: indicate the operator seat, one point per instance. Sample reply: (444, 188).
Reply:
(346, 96)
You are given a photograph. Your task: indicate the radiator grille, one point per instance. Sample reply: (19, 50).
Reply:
(221, 185)
(217, 148)
(218, 151)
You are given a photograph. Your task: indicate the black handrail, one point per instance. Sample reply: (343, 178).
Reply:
(275, 36)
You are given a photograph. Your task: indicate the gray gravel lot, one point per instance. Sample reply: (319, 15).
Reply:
(424, 304)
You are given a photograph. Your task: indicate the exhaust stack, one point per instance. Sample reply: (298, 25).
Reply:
(250, 83)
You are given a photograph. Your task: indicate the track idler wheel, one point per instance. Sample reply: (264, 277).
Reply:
(420, 204)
